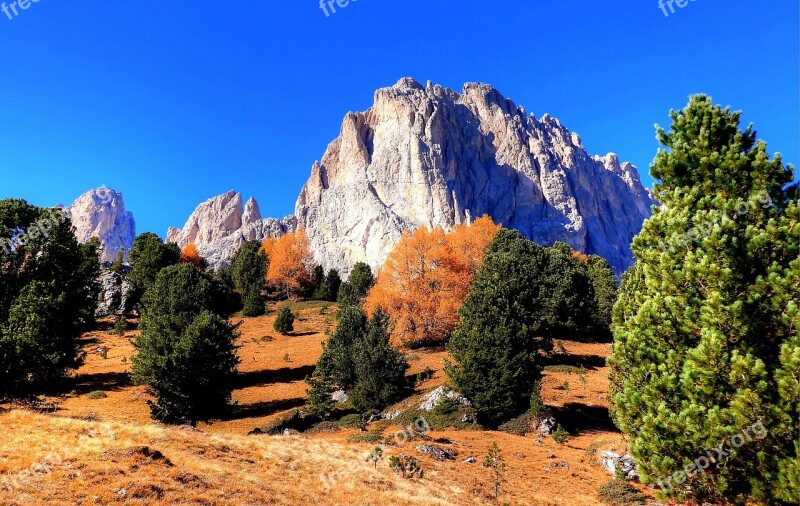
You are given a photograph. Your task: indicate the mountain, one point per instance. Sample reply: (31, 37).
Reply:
(219, 226)
(429, 156)
(101, 213)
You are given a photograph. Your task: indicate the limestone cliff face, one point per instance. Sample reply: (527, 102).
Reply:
(220, 225)
(428, 156)
(101, 213)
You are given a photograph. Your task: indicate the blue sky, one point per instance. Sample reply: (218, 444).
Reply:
(174, 102)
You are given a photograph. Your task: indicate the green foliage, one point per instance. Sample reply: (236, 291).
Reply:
(503, 325)
(284, 322)
(147, 257)
(375, 456)
(96, 394)
(248, 274)
(560, 435)
(328, 288)
(496, 464)
(186, 349)
(361, 279)
(537, 407)
(605, 286)
(118, 265)
(358, 359)
(352, 420)
(120, 326)
(407, 466)
(48, 296)
(348, 296)
(705, 329)
(570, 304)
(379, 368)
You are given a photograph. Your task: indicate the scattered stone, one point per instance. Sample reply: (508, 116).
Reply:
(437, 395)
(545, 425)
(437, 452)
(625, 463)
(469, 460)
(392, 415)
(339, 396)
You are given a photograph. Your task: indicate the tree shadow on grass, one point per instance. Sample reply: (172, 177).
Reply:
(579, 418)
(270, 376)
(258, 409)
(590, 362)
(104, 381)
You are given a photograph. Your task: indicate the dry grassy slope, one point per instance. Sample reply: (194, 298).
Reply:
(220, 464)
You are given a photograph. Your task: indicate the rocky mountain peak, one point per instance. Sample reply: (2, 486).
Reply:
(101, 213)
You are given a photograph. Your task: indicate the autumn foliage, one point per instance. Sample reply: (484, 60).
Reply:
(288, 260)
(426, 278)
(189, 255)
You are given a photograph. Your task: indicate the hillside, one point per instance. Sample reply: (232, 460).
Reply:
(221, 464)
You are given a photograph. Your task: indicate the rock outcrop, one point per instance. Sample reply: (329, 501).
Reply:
(428, 156)
(101, 213)
(220, 225)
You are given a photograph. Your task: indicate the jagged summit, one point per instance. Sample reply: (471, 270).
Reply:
(101, 213)
(425, 155)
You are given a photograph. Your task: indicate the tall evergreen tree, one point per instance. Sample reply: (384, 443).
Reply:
(186, 348)
(705, 330)
(48, 296)
(361, 279)
(328, 289)
(379, 368)
(249, 271)
(605, 287)
(147, 257)
(503, 323)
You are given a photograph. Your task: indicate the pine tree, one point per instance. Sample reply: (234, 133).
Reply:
(705, 329)
(605, 287)
(147, 257)
(248, 273)
(502, 325)
(328, 288)
(186, 350)
(361, 279)
(379, 368)
(284, 322)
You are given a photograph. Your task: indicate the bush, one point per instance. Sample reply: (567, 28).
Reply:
(96, 394)
(352, 420)
(120, 326)
(406, 466)
(284, 322)
(186, 351)
(620, 493)
(560, 435)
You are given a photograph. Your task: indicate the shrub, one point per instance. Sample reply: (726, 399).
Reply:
(620, 493)
(96, 394)
(406, 466)
(353, 421)
(284, 322)
(253, 303)
(120, 326)
(560, 435)
(186, 351)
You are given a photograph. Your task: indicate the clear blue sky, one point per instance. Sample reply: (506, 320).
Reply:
(174, 102)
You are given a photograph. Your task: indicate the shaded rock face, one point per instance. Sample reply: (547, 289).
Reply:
(428, 156)
(220, 225)
(101, 213)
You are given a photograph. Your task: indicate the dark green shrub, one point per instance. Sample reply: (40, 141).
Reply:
(284, 322)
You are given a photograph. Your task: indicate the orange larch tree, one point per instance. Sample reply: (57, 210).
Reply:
(189, 255)
(426, 278)
(288, 263)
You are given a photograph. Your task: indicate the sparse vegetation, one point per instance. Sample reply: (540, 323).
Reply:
(497, 466)
(560, 435)
(407, 466)
(620, 493)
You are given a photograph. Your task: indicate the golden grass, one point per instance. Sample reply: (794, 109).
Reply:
(99, 441)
